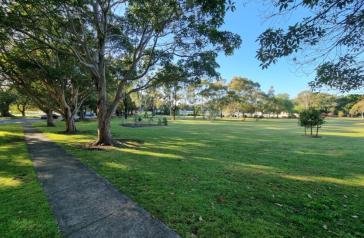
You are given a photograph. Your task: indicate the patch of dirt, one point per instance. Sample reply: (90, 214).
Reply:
(118, 143)
(133, 125)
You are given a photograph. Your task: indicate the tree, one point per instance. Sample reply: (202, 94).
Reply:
(246, 90)
(193, 94)
(310, 118)
(283, 104)
(51, 79)
(345, 103)
(7, 97)
(325, 102)
(144, 35)
(358, 108)
(215, 92)
(334, 29)
(304, 100)
(321, 101)
(22, 103)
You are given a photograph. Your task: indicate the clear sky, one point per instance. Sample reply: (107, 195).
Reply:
(248, 21)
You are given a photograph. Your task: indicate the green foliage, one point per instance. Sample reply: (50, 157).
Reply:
(310, 118)
(164, 121)
(324, 102)
(358, 108)
(150, 120)
(137, 119)
(146, 115)
(345, 103)
(7, 97)
(341, 114)
(134, 42)
(159, 123)
(344, 70)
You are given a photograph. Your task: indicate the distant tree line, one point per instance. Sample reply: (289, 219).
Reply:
(240, 98)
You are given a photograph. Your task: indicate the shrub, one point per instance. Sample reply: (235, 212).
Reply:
(340, 114)
(164, 121)
(311, 118)
(137, 119)
(159, 122)
(146, 115)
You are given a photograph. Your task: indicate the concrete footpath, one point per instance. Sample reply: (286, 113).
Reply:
(84, 203)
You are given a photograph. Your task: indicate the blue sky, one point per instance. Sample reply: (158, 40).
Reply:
(248, 21)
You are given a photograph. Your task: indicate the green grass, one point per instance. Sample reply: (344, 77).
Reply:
(24, 210)
(237, 179)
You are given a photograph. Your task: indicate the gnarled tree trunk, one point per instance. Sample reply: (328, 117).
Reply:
(50, 120)
(70, 125)
(103, 114)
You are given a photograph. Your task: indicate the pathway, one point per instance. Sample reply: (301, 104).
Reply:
(84, 203)
(18, 120)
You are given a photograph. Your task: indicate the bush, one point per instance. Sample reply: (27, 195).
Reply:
(164, 121)
(146, 115)
(137, 119)
(311, 118)
(340, 114)
(159, 122)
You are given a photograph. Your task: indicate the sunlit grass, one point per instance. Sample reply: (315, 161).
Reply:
(238, 179)
(24, 210)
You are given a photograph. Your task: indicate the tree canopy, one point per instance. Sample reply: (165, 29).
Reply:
(134, 39)
(330, 36)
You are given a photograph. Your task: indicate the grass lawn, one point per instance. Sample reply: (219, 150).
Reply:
(237, 179)
(24, 210)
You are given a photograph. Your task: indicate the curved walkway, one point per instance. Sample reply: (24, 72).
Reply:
(84, 203)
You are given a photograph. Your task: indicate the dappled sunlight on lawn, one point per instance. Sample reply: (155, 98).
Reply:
(357, 134)
(354, 180)
(149, 153)
(9, 182)
(116, 165)
(65, 138)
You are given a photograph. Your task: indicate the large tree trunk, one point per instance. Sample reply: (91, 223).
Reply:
(104, 132)
(50, 120)
(103, 115)
(82, 113)
(5, 111)
(70, 125)
(21, 109)
(125, 113)
(70, 120)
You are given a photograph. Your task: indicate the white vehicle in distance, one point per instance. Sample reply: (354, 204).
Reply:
(90, 115)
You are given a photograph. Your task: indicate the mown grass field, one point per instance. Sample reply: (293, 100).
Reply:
(24, 210)
(237, 179)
